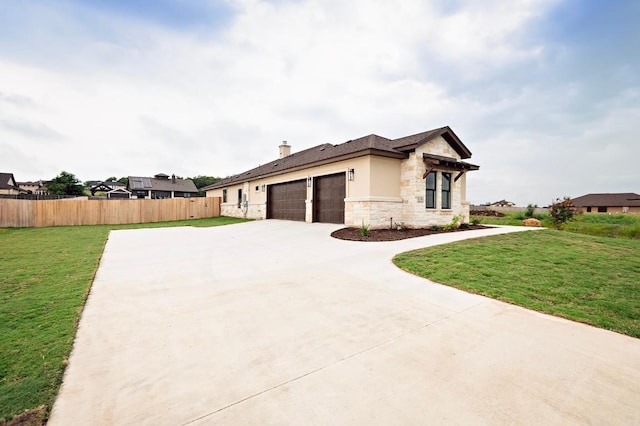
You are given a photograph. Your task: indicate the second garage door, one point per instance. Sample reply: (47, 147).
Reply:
(328, 199)
(287, 200)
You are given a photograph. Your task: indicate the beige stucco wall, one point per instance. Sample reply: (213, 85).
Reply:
(385, 191)
(257, 200)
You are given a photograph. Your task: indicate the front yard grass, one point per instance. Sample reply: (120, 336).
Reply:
(594, 280)
(45, 277)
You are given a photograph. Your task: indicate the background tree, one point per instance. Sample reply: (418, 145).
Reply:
(202, 181)
(111, 179)
(65, 184)
(124, 180)
(562, 211)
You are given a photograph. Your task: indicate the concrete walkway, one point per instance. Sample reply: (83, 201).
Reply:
(275, 322)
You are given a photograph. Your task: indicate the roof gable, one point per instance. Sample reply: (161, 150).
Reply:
(7, 181)
(410, 143)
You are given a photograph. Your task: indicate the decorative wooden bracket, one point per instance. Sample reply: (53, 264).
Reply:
(430, 166)
(458, 176)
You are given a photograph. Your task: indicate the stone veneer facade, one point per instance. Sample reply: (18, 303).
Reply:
(409, 209)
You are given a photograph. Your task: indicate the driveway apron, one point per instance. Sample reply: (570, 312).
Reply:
(275, 322)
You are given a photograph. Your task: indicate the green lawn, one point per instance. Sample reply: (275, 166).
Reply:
(595, 280)
(45, 276)
(604, 225)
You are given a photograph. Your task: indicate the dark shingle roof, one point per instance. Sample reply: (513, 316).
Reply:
(328, 153)
(626, 199)
(153, 184)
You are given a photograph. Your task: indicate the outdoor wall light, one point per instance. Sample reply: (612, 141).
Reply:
(352, 174)
(309, 181)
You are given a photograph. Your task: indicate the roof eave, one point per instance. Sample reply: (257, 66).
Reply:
(349, 156)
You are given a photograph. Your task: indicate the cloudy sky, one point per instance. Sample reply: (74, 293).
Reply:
(545, 93)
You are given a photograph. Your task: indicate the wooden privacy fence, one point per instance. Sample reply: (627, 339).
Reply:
(40, 213)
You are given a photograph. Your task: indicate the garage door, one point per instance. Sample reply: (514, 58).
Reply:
(287, 200)
(328, 198)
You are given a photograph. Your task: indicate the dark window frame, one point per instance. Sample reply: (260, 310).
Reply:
(430, 192)
(239, 197)
(446, 192)
(224, 195)
(602, 209)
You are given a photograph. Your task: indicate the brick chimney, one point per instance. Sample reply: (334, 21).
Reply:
(285, 150)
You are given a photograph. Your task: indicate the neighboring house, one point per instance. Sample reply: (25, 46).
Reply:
(627, 202)
(105, 186)
(119, 193)
(9, 186)
(37, 188)
(416, 181)
(161, 186)
(503, 203)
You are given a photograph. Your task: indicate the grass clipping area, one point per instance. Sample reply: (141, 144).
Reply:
(45, 277)
(594, 280)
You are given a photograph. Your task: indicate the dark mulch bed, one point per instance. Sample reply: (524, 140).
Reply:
(353, 234)
(491, 213)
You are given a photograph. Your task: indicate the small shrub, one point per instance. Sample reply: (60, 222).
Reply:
(435, 228)
(455, 222)
(475, 221)
(531, 209)
(464, 226)
(400, 226)
(562, 211)
(364, 230)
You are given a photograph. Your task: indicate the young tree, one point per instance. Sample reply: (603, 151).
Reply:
(531, 209)
(562, 211)
(65, 184)
(111, 179)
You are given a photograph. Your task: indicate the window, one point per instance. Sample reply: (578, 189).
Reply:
(431, 191)
(224, 195)
(257, 188)
(446, 190)
(625, 210)
(602, 209)
(239, 197)
(588, 209)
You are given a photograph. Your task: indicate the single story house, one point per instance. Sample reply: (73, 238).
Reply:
(615, 203)
(118, 193)
(503, 203)
(105, 186)
(161, 186)
(415, 181)
(9, 186)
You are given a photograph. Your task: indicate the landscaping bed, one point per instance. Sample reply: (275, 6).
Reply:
(356, 234)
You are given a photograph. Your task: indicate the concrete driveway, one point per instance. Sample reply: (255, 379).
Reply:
(274, 322)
